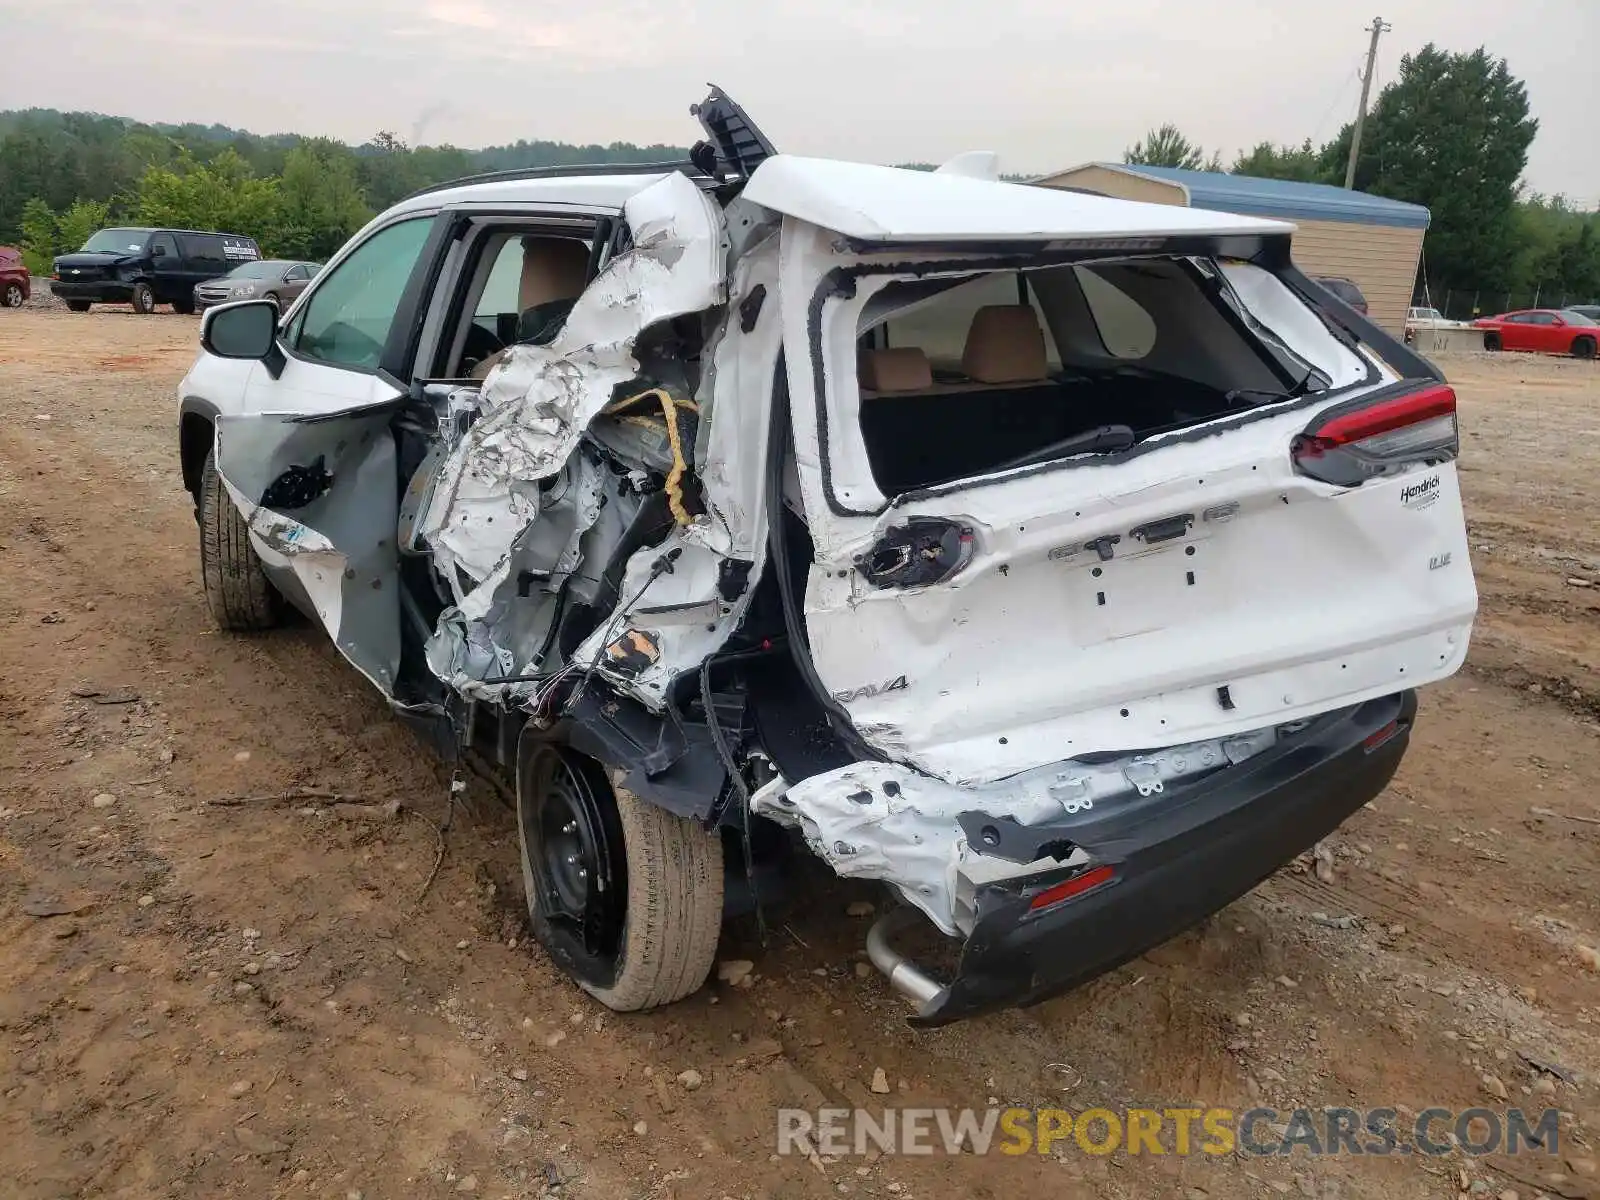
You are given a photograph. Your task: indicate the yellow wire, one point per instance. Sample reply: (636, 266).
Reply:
(669, 411)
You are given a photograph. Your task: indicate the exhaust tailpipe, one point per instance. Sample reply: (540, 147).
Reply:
(910, 980)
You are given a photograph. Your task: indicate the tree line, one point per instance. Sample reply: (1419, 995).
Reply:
(1452, 133)
(65, 175)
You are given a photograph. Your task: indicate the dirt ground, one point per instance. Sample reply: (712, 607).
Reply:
(263, 1001)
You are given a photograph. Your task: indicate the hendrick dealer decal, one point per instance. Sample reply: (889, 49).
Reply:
(1422, 494)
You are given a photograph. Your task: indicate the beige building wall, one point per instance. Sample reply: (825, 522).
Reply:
(1380, 259)
(1118, 183)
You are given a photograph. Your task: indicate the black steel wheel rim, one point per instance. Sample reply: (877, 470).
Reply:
(575, 858)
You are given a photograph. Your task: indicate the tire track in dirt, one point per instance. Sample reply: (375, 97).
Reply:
(407, 1077)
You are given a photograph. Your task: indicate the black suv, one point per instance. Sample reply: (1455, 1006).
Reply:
(147, 267)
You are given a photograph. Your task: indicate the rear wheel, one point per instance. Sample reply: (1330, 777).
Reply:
(625, 896)
(185, 307)
(237, 590)
(1583, 347)
(78, 305)
(12, 296)
(143, 299)
(1491, 341)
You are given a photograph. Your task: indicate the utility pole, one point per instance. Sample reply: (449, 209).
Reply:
(1378, 28)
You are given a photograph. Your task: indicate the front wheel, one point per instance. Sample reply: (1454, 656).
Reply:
(143, 299)
(1583, 347)
(238, 593)
(12, 296)
(1491, 341)
(78, 305)
(625, 896)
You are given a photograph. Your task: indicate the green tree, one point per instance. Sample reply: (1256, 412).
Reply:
(223, 195)
(1451, 132)
(82, 220)
(1301, 164)
(38, 236)
(1167, 147)
(320, 201)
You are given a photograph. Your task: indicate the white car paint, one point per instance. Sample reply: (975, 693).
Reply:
(889, 204)
(1302, 597)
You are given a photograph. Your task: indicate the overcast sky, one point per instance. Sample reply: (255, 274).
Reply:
(1047, 83)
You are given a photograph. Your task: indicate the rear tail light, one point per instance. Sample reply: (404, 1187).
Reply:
(1067, 889)
(1380, 438)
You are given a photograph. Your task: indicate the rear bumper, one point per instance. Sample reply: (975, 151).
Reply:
(102, 291)
(1178, 857)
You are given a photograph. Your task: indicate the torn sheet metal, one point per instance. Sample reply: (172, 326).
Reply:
(515, 517)
(886, 821)
(538, 401)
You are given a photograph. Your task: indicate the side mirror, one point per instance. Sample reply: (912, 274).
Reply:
(246, 330)
(158, 251)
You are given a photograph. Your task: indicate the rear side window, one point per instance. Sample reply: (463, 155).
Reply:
(204, 252)
(1126, 330)
(348, 318)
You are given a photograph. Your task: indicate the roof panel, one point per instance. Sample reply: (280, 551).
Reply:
(1283, 198)
(892, 204)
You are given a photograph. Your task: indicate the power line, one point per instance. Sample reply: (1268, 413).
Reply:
(1378, 28)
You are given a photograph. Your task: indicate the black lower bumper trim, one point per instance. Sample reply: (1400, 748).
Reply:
(1193, 851)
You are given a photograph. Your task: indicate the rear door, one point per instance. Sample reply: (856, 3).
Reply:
(1207, 582)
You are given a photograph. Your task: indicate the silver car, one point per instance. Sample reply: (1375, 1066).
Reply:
(277, 280)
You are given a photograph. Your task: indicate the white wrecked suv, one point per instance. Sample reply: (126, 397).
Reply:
(1067, 564)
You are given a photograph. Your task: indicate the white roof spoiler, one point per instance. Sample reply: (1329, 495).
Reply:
(973, 164)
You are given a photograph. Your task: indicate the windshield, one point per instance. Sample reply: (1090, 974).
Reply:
(254, 270)
(117, 241)
(1572, 317)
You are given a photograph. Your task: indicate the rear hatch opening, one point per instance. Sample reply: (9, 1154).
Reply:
(964, 375)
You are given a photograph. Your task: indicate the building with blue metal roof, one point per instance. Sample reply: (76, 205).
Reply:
(1372, 240)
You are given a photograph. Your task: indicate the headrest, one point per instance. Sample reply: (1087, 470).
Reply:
(897, 369)
(1005, 345)
(553, 268)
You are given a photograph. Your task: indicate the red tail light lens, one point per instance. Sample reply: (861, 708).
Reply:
(1380, 438)
(1069, 888)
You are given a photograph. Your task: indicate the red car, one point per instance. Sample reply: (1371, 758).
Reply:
(1550, 330)
(15, 282)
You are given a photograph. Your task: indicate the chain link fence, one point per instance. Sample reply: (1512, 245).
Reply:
(1459, 304)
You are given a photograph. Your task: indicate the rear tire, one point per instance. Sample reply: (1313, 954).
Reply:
(78, 305)
(238, 593)
(1583, 347)
(143, 299)
(625, 896)
(1491, 341)
(12, 296)
(183, 307)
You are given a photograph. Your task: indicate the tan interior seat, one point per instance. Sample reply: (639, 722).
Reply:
(553, 268)
(1005, 344)
(894, 369)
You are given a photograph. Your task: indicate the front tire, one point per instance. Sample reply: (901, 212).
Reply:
(78, 306)
(1583, 347)
(1491, 341)
(143, 299)
(625, 896)
(12, 296)
(240, 597)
